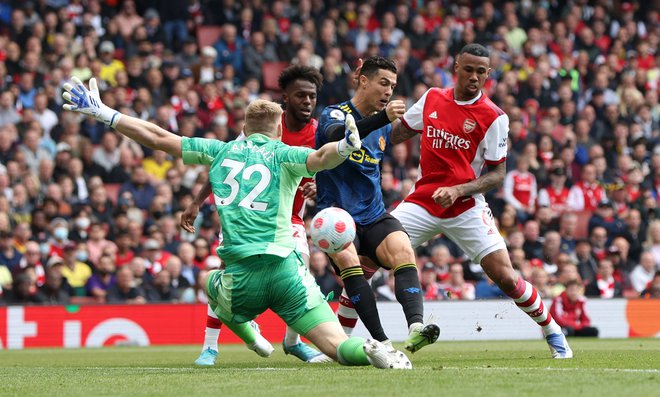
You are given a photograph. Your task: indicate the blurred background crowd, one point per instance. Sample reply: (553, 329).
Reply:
(89, 217)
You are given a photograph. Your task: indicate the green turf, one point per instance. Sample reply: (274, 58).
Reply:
(513, 368)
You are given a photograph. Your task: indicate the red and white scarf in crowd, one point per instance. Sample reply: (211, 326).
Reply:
(606, 287)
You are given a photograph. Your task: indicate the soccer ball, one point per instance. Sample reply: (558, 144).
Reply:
(333, 229)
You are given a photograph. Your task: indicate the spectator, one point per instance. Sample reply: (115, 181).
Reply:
(606, 217)
(23, 292)
(440, 259)
(97, 242)
(319, 267)
(520, 189)
(555, 195)
(653, 289)
(533, 246)
(643, 273)
(569, 310)
(604, 286)
(456, 287)
(487, 289)
(161, 290)
(429, 283)
(9, 255)
(188, 268)
(567, 229)
(254, 56)
(104, 278)
(541, 281)
(653, 240)
(586, 194)
(142, 191)
(54, 291)
(124, 290)
(76, 272)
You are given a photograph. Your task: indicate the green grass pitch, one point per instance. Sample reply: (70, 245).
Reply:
(602, 367)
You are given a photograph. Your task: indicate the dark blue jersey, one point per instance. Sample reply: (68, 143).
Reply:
(355, 184)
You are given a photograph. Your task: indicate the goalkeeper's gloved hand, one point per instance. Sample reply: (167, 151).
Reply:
(88, 102)
(351, 142)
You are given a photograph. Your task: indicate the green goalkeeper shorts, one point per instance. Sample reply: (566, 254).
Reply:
(248, 287)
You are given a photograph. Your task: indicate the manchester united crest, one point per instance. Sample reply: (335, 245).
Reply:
(469, 125)
(381, 143)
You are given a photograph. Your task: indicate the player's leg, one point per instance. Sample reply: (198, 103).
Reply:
(298, 300)
(229, 293)
(476, 234)
(328, 336)
(209, 353)
(292, 343)
(358, 290)
(391, 246)
(346, 312)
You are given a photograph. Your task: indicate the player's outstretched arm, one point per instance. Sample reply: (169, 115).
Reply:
(88, 102)
(394, 110)
(332, 154)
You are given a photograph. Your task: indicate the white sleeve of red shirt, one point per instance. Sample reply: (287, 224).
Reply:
(496, 140)
(414, 117)
(507, 189)
(575, 199)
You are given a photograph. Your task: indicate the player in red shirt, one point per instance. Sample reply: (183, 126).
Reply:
(555, 195)
(461, 130)
(300, 85)
(569, 310)
(520, 189)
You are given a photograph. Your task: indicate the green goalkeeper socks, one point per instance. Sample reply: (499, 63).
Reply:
(351, 352)
(243, 331)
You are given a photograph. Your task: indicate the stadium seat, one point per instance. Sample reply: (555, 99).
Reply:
(582, 228)
(112, 190)
(270, 72)
(208, 35)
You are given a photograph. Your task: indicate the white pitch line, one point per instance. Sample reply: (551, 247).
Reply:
(642, 370)
(192, 369)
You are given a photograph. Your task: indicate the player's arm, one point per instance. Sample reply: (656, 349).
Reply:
(332, 154)
(401, 132)
(392, 112)
(190, 213)
(88, 102)
(446, 196)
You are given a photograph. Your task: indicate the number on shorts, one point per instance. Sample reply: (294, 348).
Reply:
(235, 168)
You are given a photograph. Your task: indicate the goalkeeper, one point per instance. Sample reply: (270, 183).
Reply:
(254, 182)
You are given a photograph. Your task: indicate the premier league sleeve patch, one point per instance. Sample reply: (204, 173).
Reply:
(337, 114)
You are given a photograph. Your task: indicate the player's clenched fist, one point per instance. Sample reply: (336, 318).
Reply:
(446, 196)
(395, 109)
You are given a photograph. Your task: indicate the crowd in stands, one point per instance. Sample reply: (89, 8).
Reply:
(88, 216)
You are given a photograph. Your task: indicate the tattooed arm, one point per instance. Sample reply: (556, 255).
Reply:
(401, 133)
(446, 196)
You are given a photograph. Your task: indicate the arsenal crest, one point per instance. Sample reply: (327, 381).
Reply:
(468, 125)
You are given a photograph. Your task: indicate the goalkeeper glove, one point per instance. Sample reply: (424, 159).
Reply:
(88, 102)
(351, 142)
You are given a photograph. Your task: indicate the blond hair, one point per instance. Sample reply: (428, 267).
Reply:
(262, 116)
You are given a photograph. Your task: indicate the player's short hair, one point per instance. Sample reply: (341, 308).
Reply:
(262, 116)
(299, 72)
(373, 64)
(475, 49)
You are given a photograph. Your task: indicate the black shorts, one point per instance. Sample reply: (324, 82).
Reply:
(368, 237)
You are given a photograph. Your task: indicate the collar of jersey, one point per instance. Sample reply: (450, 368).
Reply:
(354, 109)
(257, 136)
(471, 101)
